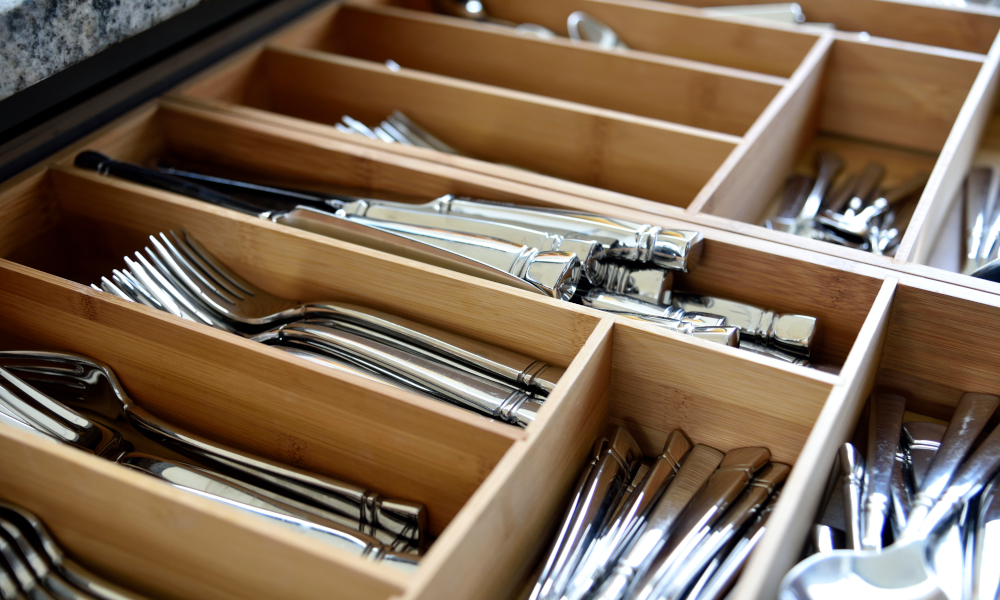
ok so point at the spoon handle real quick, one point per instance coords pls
(970, 417)
(884, 425)
(967, 482)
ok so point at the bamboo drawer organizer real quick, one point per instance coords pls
(695, 129)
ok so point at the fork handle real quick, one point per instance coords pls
(499, 362)
(368, 508)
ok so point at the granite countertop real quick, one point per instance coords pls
(39, 38)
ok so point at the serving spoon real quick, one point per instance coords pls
(902, 571)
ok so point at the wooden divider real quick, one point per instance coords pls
(168, 543)
(793, 517)
(668, 29)
(680, 91)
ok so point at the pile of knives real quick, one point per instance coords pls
(852, 211)
(604, 263)
(679, 526)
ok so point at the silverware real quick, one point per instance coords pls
(593, 503)
(922, 440)
(205, 483)
(828, 165)
(699, 465)
(976, 195)
(852, 476)
(793, 334)
(902, 491)
(727, 336)
(195, 277)
(720, 576)
(78, 381)
(606, 551)
(583, 27)
(458, 386)
(661, 579)
(711, 542)
(986, 538)
(620, 303)
(902, 567)
(44, 554)
(620, 239)
(885, 422)
(678, 250)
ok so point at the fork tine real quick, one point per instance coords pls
(136, 288)
(166, 300)
(165, 280)
(203, 271)
(114, 290)
(209, 270)
(208, 294)
(195, 246)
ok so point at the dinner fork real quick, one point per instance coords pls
(70, 380)
(183, 276)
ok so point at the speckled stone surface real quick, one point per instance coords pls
(39, 38)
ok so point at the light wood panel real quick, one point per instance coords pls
(658, 87)
(671, 30)
(894, 96)
(660, 384)
(168, 543)
(506, 526)
(588, 145)
(792, 518)
(928, 327)
(761, 161)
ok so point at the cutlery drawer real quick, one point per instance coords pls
(66, 227)
(695, 128)
(914, 109)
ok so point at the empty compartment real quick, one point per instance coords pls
(644, 157)
(684, 92)
(866, 103)
(668, 29)
(837, 294)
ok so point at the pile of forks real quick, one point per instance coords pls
(178, 275)
(32, 565)
(679, 526)
(609, 264)
(79, 401)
